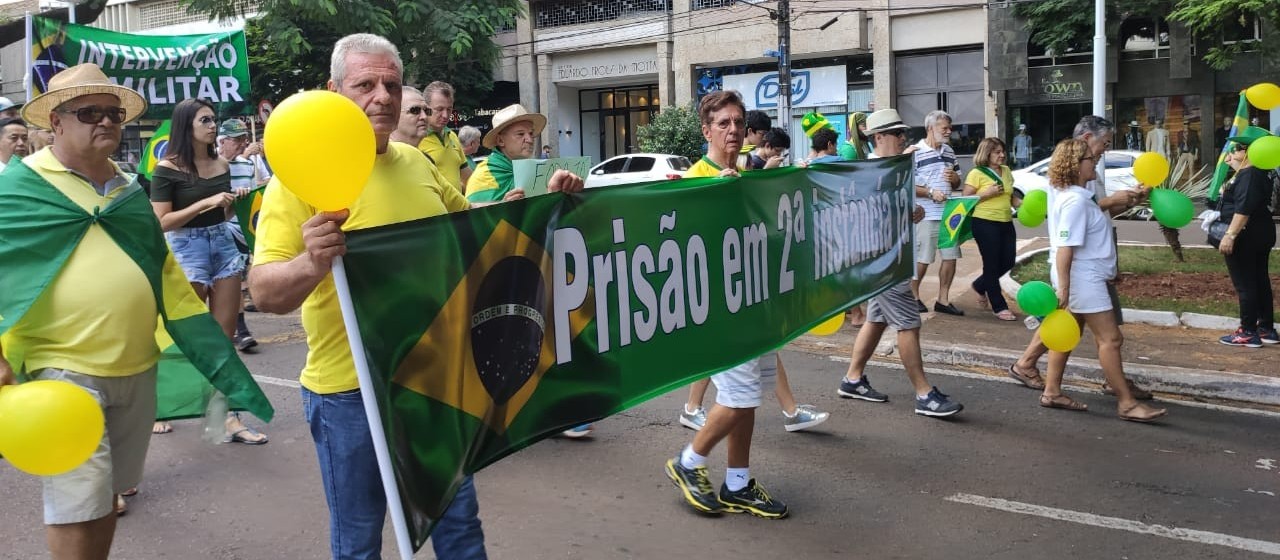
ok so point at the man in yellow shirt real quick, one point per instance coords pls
(86, 276)
(293, 257)
(441, 144)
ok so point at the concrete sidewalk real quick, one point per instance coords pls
(1178, 360)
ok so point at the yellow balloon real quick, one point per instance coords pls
(321, 146)
(1151, 169)
(1264, 96)
(48, 427)
(1059, 331)
(830, 326)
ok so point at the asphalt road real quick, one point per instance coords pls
(1006, 479)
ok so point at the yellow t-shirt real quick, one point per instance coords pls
(404, 186)
(704, 167)
(98, 316)
(445, 150)
(998, 208)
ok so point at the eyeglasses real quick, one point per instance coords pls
(1238, 147)
(206, 120)
(418, 109)
(93, 114)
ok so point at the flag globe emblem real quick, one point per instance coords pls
(508, 322)
(955, 220)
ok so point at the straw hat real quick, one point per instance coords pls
(885, 120)
(508, 116)
(78, 81)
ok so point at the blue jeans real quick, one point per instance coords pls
(353, 486)
(206, 254)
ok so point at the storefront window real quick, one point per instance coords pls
(610, 118)
(1143, 37)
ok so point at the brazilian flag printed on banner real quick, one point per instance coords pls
(154, 151)
(247, 209)
(1222, 170)
(491, 329)
(956, 226)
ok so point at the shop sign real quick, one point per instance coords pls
(811, 87)
(1056, 84)
(605, 64)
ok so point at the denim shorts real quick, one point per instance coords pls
(206, 254)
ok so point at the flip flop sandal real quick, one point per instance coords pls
(1032, 381)
(1155, 414)
(121, 508)
(1063, 402)
(130, 492)
(1006, 315)
(236, 437)
(161, 428)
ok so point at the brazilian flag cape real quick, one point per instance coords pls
(39, 229)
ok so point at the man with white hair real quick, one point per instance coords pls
(936, 178)
(470, 137)
(293, 257)
(415, 116)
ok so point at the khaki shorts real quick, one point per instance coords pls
(927, 243)
(88, 492)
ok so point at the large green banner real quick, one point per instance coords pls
(165, 69)
(488, 330)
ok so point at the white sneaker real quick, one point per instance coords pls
(577, 432)
(806, 417)
(693, 420)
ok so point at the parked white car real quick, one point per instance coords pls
(1119, 173)
(637, 168)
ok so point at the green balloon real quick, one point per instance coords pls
(1172, 208)
(1264, 153)
(1037, 298)
(1035, 206)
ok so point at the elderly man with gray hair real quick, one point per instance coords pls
(294, 253)
(936, 179)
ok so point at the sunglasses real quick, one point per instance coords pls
(1238, 147)
(419, 109)
(206, 120)
(93, 114)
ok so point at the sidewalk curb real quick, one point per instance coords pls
(1243, 387)
(1145, 316)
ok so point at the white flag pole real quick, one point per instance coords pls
(26, 53)
(371, 410)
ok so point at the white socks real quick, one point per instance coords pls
(736, 479)
(690, 460)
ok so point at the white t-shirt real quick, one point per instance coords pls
(930, 164)
(1076, 220)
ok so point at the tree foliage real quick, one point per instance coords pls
(675, 131)
(290, 41)
(1207, 18)
(1066, 26)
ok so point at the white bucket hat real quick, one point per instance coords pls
(885, 120)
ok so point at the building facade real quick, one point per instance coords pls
(600, 69)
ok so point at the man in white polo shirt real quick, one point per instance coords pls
(936, 178)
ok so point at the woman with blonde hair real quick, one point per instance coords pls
(1082, 260)
(992, 223)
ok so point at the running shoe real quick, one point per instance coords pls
(860, 390)
(806, 417)
(694, 486)
(937, 405)
(753, 499)
(693, 420)
(577, 432)
(1242, 337)
(1268, 336)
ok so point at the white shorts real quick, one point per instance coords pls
(88, 492)
(1089, 288)
(743, 385)
(927, 243)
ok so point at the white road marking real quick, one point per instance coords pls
(1119, 524)
(1265, 464)
(1263, 492)
(277, 381)
(994, 379)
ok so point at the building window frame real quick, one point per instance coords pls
(1157, 48)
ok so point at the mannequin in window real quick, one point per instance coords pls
(1022, 147)
(1133, 138)
(1188, 151)
(1158, 139)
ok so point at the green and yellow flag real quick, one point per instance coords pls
(247, 209)
(154, 151)
(491, 329)
(1222, 170)
(40, 228)
(956, 224)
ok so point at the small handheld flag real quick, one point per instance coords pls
(955, 221)
(154, 151)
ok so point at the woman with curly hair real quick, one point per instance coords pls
(1082, 259)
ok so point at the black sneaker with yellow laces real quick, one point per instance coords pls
(694, 486)
(753, 499)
